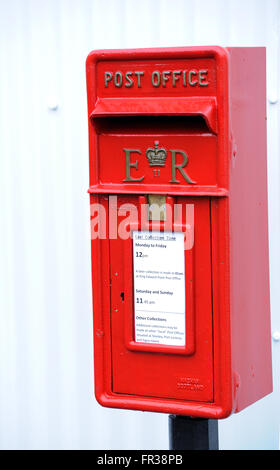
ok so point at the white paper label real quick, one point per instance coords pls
(159, 287)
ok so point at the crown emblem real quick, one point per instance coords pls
(156, 156)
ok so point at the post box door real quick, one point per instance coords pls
(175, 366)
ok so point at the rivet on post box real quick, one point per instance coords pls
(180, 278)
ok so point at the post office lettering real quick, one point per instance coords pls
(157, 78)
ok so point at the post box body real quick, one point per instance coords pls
(180, 299)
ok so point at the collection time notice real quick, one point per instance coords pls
(159, 287)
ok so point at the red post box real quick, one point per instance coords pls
(178, 193)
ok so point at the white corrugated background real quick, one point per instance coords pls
(46, 369)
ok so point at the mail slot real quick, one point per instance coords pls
(178, 201)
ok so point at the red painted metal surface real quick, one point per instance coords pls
(206, 108)
(134, 371)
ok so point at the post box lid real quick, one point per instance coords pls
(191, 83)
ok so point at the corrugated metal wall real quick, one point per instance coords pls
(46, 370)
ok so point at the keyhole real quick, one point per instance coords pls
(122, 296)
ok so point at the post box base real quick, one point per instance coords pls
(187, 433)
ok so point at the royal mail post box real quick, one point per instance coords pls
(178, 198)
